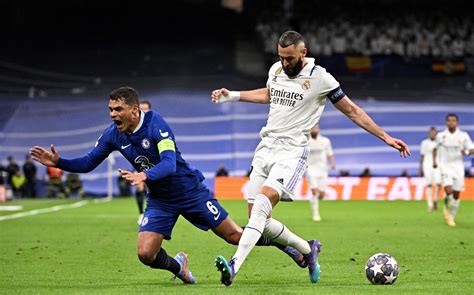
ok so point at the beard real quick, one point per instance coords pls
(294, 70)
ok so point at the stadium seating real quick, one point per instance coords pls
(209, 135)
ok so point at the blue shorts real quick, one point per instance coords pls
(202, 210)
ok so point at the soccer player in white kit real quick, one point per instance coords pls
(451, 145)
(320, 152)
(431, 175)
(297, 90)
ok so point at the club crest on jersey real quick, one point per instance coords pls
(278, 71)
(306, 85)
(146, 143)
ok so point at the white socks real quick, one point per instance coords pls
(276, 231)
(315, 206)
(454, 207)
(261, 209)
(429, 196)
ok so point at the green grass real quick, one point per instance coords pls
(92, 250)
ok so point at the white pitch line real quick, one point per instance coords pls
(44, 210)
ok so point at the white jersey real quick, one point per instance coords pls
(426, 150)
(319, 150)
(451, 147)
(296, 104)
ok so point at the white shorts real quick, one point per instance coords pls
(454, 178)
(317, 182)
(278, 165)
(432, 175)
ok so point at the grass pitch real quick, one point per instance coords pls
(92, 250)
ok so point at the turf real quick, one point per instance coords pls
(92, 250)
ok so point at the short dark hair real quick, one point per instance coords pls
(128, 94)
(290, 38)
(452, 115)
(147, 102)
(433, 128)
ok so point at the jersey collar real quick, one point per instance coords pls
(142, 117)
(308, 67)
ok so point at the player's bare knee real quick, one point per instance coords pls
(146, 256)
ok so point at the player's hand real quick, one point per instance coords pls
(45, 157)
(399, 145)
(224, 95)
(135, 178)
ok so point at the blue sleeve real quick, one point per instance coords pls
(163, 137)
(90, 161)
(165, 167)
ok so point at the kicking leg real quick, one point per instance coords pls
(231, 233)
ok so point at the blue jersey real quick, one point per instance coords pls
(152, 149)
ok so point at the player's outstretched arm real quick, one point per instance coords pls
(45, 157)
(256, 96)
(362, 119)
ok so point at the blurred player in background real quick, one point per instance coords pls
(296, 90)
(431, 175)
(140, 189)
(320, 151)
(175, 188)
(452, 145)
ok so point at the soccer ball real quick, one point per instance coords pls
(382, 269)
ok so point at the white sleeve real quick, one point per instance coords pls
(328, 83)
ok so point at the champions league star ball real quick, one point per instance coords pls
(382, 269)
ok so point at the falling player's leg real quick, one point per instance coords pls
(150, 253)
(157, 225)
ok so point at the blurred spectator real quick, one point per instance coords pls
(222, 171)
(74, 186)
(12, 168)
(3, 181)
(29, 170)
(366, 173)
(344, 173)
(18, 184)
(145, 105)
(385, 29)
(55, 182)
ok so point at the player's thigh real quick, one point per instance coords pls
(204, 211)
(458, 183)
(428, 176)
(285, 173)
(323, 183)
(160, 219)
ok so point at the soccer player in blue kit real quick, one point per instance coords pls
(175, 189)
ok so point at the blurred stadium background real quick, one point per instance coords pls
(407, 64)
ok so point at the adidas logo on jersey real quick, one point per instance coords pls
(280, 180)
